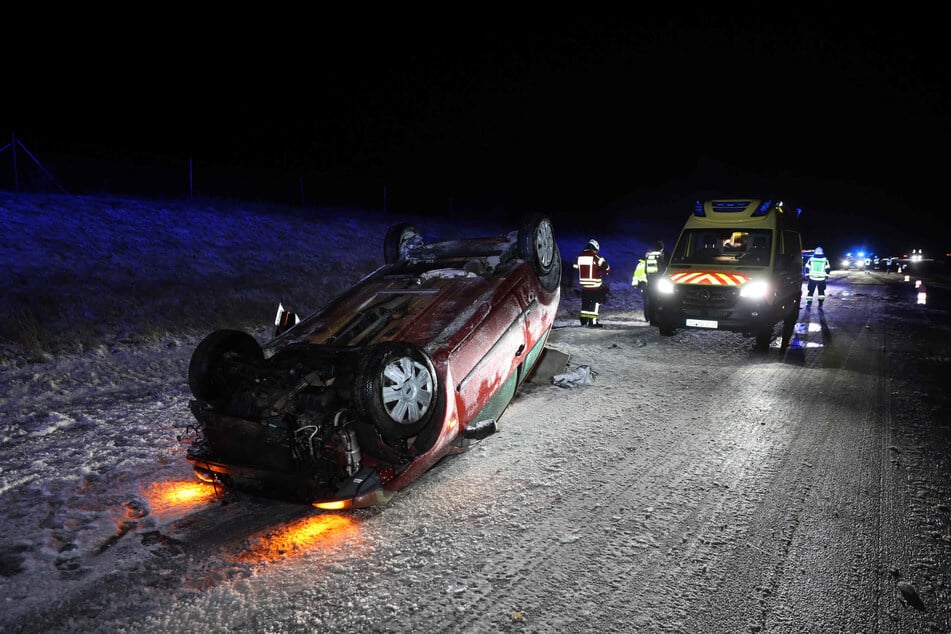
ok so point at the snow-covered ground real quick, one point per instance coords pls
(586, 529)
(103, 302)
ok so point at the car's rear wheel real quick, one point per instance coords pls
(398, 388)
(397, 237)
(205, 377)
(536, 244)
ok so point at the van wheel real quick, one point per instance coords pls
(666, 331)
(789, 324)
(763, 338)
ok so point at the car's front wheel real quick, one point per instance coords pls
(207, 376)
(398, 388)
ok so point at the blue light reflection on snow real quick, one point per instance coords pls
(803, 331)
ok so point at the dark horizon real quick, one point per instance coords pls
(576, 116)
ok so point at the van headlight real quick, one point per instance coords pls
(757, 289)
(665, 286)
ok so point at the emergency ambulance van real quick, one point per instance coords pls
(737, 266)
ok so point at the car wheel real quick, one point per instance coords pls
(536, 244)
(763, 338)
(205, 376)
(397, 237)
(666, 331)
(398, 388)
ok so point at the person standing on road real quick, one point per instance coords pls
(655, 264)
(817, 268)
(639, 281)
(591, 271)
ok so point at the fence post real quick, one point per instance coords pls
(16, 174)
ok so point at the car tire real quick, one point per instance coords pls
(398, 389)
(536, 244)
(666, 331)
(396, 238)
(218, 348)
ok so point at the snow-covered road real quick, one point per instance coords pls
(694, 486)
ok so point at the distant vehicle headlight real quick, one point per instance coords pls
(755, 290)
(665, 286)
(845, 262)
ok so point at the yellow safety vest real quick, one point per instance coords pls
(640, 273)
(818, 268)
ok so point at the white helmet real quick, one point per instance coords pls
(594, 243)
(819, 251)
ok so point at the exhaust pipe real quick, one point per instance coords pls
(480, 429)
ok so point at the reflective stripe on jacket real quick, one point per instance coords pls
(653, 261)
(591, 267)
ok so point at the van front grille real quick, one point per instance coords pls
(709, 296)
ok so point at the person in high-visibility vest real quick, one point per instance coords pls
(817, 267)
(655, 262)
(639, 280)
(640, 275)
(591, 269)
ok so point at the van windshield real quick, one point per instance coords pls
(724, 246)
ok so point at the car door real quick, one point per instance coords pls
(484, 364)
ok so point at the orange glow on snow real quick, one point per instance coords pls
(174, 499)
(298, 537)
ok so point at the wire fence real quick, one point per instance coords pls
(29, 169)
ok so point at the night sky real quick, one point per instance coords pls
(848, 116)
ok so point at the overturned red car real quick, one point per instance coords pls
(351, 404)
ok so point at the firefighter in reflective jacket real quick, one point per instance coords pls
(817, 267)
(655, 261)
(591, 271)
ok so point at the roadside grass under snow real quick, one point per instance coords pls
(81, 272)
